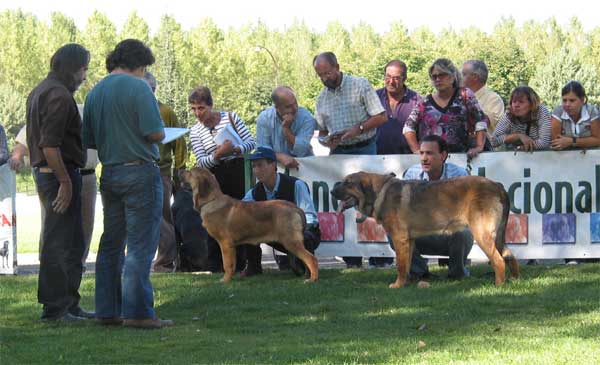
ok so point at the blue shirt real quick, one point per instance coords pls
(449, 171)
(3, 147)
(301, 197)
(390, 140)
(269, 132)
(119, 113)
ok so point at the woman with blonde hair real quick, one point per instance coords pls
(450, 112)
(526, 123)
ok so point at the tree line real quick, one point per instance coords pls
(241, 65)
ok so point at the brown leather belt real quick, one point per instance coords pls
(45, 170)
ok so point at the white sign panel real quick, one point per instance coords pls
(8, 229)
(555, 201)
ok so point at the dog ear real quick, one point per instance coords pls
(204, 188)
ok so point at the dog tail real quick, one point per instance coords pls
(501, 246)
(501, 230)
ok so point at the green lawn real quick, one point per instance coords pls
(551, 316)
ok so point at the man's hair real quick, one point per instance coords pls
(150, 79)
(275, 95)
(328, 57)
(447, 66)
(396, 63)
(479, 68)
(69, 59)
(200, 94)
(534, 101)
(129, 54)
(442, 144)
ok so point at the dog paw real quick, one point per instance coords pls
(395, 285)
(309, 281)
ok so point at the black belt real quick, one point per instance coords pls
(356, 145)
(230, 162)
(85, 172)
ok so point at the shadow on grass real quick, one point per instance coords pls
(349, 316)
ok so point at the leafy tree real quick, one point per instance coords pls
(135, 27)
(12, 110)
(22, 62)
(100, 38)
(562, 67)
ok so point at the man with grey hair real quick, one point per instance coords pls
(348, 112)
(167, 246)
(475, 75)
(286, 128)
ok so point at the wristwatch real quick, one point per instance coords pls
(361, 127)
(574, 141)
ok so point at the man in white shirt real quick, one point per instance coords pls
(475, 75)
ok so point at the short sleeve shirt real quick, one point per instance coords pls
(581, 128)
(119, 113)
(350, 104)
(269, 132)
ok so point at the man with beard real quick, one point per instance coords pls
(57, 154)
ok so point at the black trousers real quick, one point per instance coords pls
(60, 259)
(232, 179)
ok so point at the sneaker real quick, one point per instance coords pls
(148, 323)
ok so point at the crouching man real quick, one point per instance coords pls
(434, 152)
(272, 185)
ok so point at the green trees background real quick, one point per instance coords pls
(241, 73)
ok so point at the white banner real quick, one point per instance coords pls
(8, 227)
(555, 201)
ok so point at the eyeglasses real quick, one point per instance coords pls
(440, 76)
(393, 78)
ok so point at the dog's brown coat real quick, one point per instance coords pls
(232, 222)
(411, 209)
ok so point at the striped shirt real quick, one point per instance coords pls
(203, 143)
(539, 131)
(581, 128)
(350, 104)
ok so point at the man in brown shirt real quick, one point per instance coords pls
(56, 153)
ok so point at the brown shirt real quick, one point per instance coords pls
(53, 121)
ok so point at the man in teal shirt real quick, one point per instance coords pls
(122, 121)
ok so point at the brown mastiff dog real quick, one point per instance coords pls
(409, 209)
(232, 222)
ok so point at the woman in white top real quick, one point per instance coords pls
(575, 123)
(224, 160)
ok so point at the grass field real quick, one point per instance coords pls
(550, 316)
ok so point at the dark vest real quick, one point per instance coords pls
(286, 190)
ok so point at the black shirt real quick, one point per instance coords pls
(53, 121)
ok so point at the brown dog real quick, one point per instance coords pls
(411, 209)
(232, 222)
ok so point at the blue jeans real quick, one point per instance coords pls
(61, 253)
(132, 198)
(369, 149)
